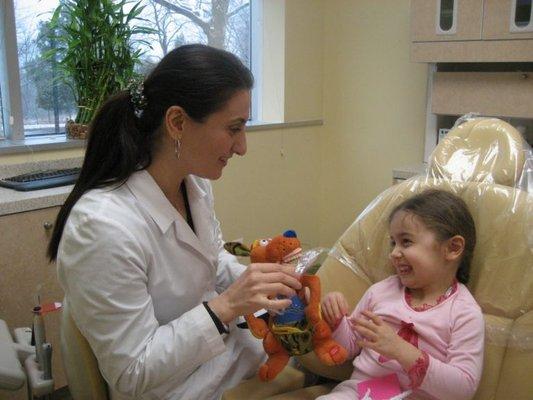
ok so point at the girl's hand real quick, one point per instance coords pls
(334, 306)
(258, 287)
(378, 335)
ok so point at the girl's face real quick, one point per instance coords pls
(207, 146)
(418, 257)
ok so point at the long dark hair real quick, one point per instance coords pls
(446, 215)
(199, 78)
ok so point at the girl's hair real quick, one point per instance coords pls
(446, 215)
(198, 78)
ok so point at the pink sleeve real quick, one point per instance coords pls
(458, 377)
(418, 370)
(344, 334)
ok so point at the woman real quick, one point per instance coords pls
(139, 249)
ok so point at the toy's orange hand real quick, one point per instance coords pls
(258, 326)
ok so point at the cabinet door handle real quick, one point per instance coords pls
(48, 225)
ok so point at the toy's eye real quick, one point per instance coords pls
(264, 242)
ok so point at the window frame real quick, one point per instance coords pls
(256, 57)
(12, 99)
(513, 27)
(10, 75)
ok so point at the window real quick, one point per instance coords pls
(44, 103)
(522, 16)
(446, 16)
(2, 128)
(219, 23)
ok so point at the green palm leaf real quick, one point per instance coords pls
(94, 48)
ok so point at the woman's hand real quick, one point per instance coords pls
(334, 306)
(380, 337)
(258, 287)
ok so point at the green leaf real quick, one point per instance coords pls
(93, 48)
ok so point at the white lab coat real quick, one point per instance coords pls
(135, 275)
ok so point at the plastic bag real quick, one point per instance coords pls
(308, 263)
(487, 163)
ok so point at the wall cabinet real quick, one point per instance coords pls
(471, 30)
(504, 91)
(456, 93)
(440, 20)
(507, 19)
(480, 55)
(25, 272)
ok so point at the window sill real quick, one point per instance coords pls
(58, 142)
(265, 126)
(41, 143)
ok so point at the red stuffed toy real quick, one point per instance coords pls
(300, 328)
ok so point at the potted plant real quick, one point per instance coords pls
(93, 51)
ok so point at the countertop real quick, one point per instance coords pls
(408, 171)
(12, 202)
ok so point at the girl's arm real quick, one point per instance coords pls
(458, 377)
(344, 334)
(334, 307)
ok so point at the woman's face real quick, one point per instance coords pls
(206, 147)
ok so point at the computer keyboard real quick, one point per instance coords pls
(41, 179)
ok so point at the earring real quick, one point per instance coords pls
(177, 148)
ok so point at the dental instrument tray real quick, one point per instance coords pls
(41, 179)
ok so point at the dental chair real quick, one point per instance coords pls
(480, 160)
(85, 382)
(84, 379)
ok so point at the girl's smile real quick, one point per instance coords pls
(418, 257)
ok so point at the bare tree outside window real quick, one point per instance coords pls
(46, 103)
(212, 16)
(219, 23)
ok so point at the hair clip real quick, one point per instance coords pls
(138, 99)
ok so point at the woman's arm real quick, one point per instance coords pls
(102, 268)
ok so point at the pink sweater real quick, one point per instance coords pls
(451, 333)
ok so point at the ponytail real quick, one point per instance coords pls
(116, 148)
(201, 79)
(463, 272)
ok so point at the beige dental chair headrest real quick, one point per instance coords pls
(480, 161)
(480, 150)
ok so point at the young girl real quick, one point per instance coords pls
(422, 324)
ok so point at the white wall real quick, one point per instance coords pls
(374, 106)
(347, 62)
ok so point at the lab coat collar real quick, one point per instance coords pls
(202, 215)
(154, 201)
(150, 195)
(194, 190)
(152, 198)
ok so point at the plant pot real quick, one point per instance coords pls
(75, 130)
